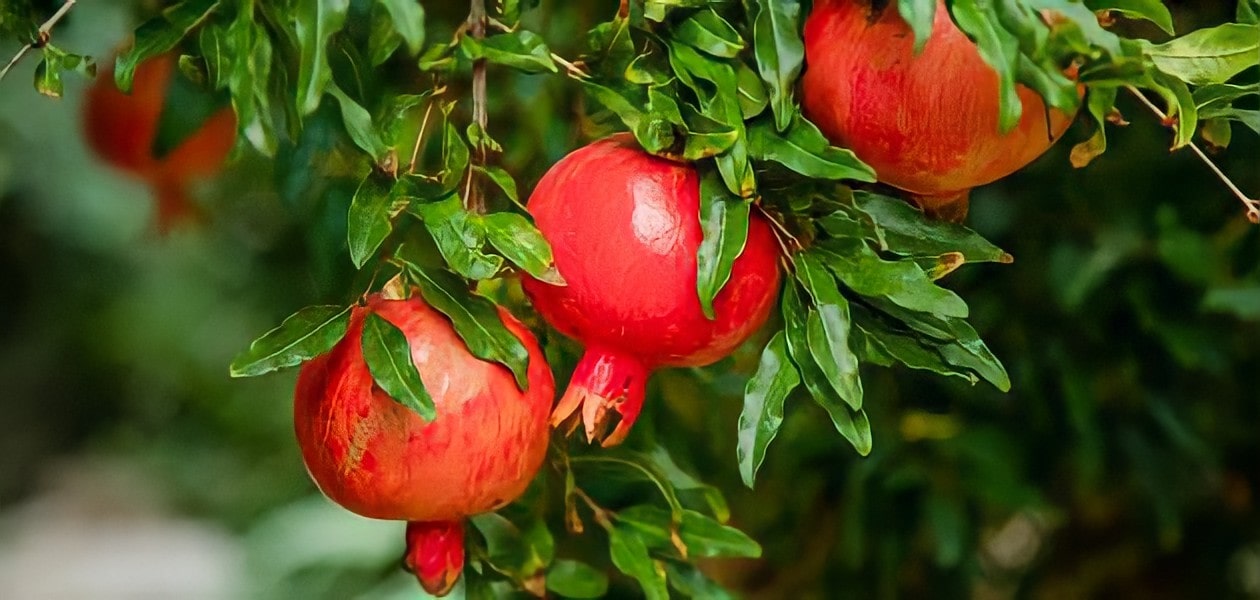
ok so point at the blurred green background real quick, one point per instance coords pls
(1124, 463)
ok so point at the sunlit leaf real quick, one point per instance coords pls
(388, 358)
(304, 335)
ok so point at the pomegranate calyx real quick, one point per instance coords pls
(604, 383)
(435, 554)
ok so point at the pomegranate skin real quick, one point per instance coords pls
(120, 128)
(379, 459)
(927, 124)
(624, 229)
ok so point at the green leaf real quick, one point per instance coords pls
(795, 318)
(48, 77)
(408, 20)
(502, 179)
(475, 318)
(1098, 102)
(314, 22)
(907, 231)
(1211, 55)
(1151, 10)
(685, 482)
(700, 534)
(903, 282)
(999, 49)
(957, 342)
(639, 467)
(388, 358)
(690, 581)
(520, 242)
(653, 132)
(708, 32)
(827, 329)
(1248, 11)
(455, 155)
(358, 122)
(521, 49)
(779, 51)
(573, 579)
(1241, 302)
(724, 225)
(1250, 118)
(630, 556)
(369, 220)
(906, 348)
(304, 335)
(1218, 95)
(519, 553)
(158, 35)
(752, 92)
(383, 39)
(919, 14)
(764, 398)
(57, 61)
(460, 237)
(1180, 103)
(804, 149)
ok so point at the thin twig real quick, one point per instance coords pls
(1251, 204)
(424, 124)
(477, 27)
(42, 37)
(573, 69)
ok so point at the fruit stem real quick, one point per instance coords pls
(1251, 204)
(42, 37)
(474, 200)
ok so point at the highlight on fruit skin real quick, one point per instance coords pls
(122, 128)
(624, 230)
(379, 459)
(928, 122)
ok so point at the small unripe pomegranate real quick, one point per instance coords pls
(926, 123)
(379, 459)
(624, 227)
(121, 129)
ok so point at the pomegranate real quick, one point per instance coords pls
(121, 129)
(926, 123)
(379, 459)
(624, 228)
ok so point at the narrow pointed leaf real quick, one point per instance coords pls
(304, 335)
(520, 242)
(388, 358)
(724, 225)
(779, 52)
(476, 320)
(764, 398)
(827, 330)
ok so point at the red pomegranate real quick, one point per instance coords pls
(379, 459)
(624, 227)
(927, 123)
(121, 129)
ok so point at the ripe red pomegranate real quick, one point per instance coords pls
(379, 459)
(121, 129)
(927, 123)
(624, 227)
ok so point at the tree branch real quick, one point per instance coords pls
(1251, 204)
(42, 37)
(475, 200)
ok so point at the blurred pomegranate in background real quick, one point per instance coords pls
(122, 129)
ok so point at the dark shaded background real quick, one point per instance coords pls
(1123, 464)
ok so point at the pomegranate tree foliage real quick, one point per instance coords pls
(438, 205)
